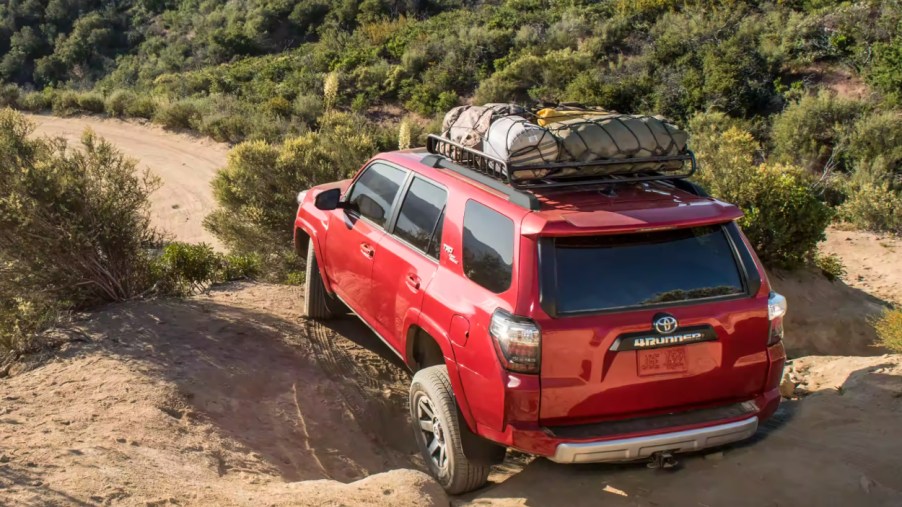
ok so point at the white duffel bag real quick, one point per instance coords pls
(518, 142)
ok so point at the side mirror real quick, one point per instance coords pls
(368, 207)
(328, 200)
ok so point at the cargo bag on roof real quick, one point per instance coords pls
(596, 135)
(468, 125)
(518, 142)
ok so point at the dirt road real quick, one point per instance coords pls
(231, 399)
(185, 163)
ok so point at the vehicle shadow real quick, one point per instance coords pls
(818, 450)
(313, 401)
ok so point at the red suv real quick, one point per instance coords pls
(593, 319)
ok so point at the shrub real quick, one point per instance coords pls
(808, 132)
(74, 226)
(873, 206)
(9, 95)
(141, 107)
(177, 115)
(886, 71)
(256, 190)
(889, 330)
(65, 103)
(875, 144)
(34, 102)
(831, 265)
(119, 102)
(184, 269)
(784, 216)
(91, 102)
(308, 108)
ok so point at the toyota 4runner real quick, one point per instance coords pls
(595, 319)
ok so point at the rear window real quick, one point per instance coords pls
(627, 270)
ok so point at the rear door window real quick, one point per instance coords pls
(644, 269)
(375, 190)
(419, 219)
(488, 247)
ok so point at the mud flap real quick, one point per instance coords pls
(477, 449)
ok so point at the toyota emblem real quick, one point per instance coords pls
(665, 323)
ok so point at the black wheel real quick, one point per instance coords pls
(433, 412)
(318, 304)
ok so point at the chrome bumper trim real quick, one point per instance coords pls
(629, 449)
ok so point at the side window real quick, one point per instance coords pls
(435, 245)
(420, 213)
(375, 190)
(488, 248)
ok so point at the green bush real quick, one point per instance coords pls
(784, 215)
(141, 107)
(889, 330)
(831, 265)
(91, 102)
(65, 103)
(74, 226)
(183, 269)
(9, 95)
(256, 190)
(886, 71)
(119, 103)
(182, 114)
(34, 102)
(875, 145)
(810, 133)
(873, 206)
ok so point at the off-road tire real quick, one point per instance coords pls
(460, 475)
(318, 304)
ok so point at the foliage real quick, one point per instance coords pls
(810, 133)
(831, 265)
(886, 72)
(873, 206)
(256, 190)
(784, 216)
(182, 114)
(184, 269)
(889, 329)
(74, 227)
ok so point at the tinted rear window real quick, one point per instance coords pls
(602, 272)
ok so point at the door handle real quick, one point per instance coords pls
(367, 250)
(413, 281)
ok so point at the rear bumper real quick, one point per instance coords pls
(628, 449)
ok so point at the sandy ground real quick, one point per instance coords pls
(231, 399)
(873, 261)
(210, 401)
(185, 163)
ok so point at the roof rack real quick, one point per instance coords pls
(480, 164)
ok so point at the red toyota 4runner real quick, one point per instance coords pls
(593, 319)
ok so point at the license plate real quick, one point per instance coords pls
(666, 360)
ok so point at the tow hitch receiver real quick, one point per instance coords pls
(663, 460)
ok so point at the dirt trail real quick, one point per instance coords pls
(185, 163)
(223, 399)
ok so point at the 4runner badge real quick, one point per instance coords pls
(655, 340)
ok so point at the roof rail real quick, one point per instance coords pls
(527, 176)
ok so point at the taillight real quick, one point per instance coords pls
(518, 342)
(776, 309)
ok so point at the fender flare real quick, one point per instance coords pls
(302, 225)
(415, 318)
